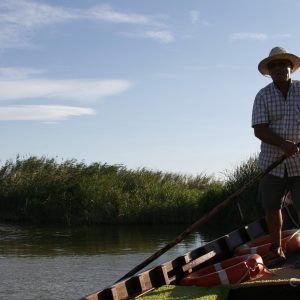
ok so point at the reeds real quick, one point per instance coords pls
(42, 190)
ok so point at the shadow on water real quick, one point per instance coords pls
(51, 241)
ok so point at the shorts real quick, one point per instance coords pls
(273, 188)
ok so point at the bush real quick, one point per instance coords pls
(42, 190)
(247, 207)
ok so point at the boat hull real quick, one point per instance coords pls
(173, 271)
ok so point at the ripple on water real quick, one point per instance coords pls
(68, 263)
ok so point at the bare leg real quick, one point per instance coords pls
(274, 222)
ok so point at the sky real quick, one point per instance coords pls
(164, 85)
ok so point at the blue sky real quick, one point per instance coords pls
(167, 85)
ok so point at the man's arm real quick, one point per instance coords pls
(266, 135)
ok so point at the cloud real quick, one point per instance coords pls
(195, 19)
(42, 112)
(17, 84)
(249, 36)
(20, 19)
(18, 73)
(70, 89)
(282, 35)
(259, 36)
(106, 13)
(162, 36)
(194, 16)
(31, 14)
(169, 75)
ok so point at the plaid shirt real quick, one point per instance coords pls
(283, 116)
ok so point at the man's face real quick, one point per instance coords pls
(280, 70)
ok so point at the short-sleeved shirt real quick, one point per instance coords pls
(283, 116)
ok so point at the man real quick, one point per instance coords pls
(276, 122)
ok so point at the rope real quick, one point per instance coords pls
(285, 205)
(249, 269)
(266, 269)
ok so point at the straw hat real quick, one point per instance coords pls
(275, 54)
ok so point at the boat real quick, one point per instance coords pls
(286, 282)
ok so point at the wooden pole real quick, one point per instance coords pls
(231, 199)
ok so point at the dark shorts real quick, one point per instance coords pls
(273, 188)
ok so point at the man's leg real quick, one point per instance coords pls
(274, 222)
(271, 190)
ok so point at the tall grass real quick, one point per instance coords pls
(42, 190)
(249, 202)
(247, 207)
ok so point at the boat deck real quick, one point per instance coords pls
(283, 281)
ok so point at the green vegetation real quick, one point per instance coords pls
(42, 190)
(248, 207)
(173, 292)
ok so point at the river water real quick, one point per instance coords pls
(68, 263)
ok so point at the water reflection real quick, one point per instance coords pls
(51, 241)
(66, 263)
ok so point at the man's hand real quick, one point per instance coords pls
(265, 134)
(289, 148)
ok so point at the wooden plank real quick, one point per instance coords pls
(200, 260)
(133, 285)
(214, 246)
(158, 276)
(166, 275)
(119, 291)
(106, 294)
(174, 268)
(194, 254)
(145, 281)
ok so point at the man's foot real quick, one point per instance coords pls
(274, 256)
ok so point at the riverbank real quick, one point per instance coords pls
(40, 190)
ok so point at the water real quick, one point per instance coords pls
(68, 263)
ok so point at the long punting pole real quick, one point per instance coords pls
(231, 199)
